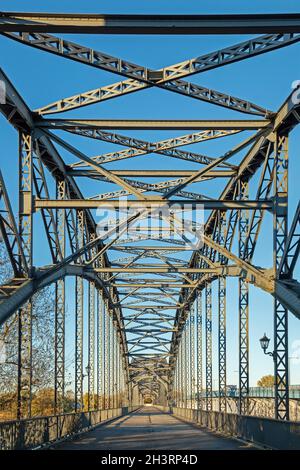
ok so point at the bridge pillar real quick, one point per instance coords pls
(243, 226)
(222, 319)
(222, 343)
(59, 372)
(199, 351)
(79, 318)
(280, 227)
(24, 384)
(208, 336)
(192, 356)
(99, 349)
(91, 347)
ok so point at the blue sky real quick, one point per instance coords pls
(266, 80)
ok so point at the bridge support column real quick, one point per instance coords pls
(118, 366)
(105, 354)
(208, 333)
(59, 379)
(109, 361)
(79, 318)
(24, 384)
(188, 361)
(222, 344)
(280, 227)
(181, 369)
(91, 347)
(192, 355)
(99, 350)
(243, 308)
(199, 352)
(222, 319)
(174, 384)
(185, 366)
(113, 366)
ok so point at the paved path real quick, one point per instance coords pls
(148, 428)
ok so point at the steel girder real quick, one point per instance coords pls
(150, 24)
(17, 112)
(85, 126)
(286, 119)
(86, 55)
(162, 339)
(146, 77)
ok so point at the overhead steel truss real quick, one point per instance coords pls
(149, 24)
(145, 316)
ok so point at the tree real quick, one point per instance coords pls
(266, 381)
(42, 343)
(42, 402)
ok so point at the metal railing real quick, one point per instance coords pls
(271, 433)
(38, 431)
(259, 392)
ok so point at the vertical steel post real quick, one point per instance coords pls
(243, 308)
(118, 369)
(208, 331)
(181, 370)
(59, 379)
(79, 306)
(199, 351)
(91, 346)
(188, 361)
(106, 356)
(98, 349)
(25, 313)
(280, 226)
(103, 348)
(185, 366)
(113, 365)
(192, 354)
(222, 318)
(109, 365)
(174, 397)
(102, 351)
(222, 343)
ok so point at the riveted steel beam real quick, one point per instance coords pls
(149, 203)
(77, 125)
(150, 24)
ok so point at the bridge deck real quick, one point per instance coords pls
(149, 428)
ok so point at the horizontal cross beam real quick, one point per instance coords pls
(152, 203)
(153, 173)
(153, 124)
(150, 24)
(145, 269)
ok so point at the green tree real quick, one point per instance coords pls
(266, 381)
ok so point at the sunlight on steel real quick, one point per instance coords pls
(145, 275)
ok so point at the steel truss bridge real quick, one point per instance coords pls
(149, 289)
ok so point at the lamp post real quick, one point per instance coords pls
(264, 342)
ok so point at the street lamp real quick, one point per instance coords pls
(264, 342)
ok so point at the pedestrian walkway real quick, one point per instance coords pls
(149, 428)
